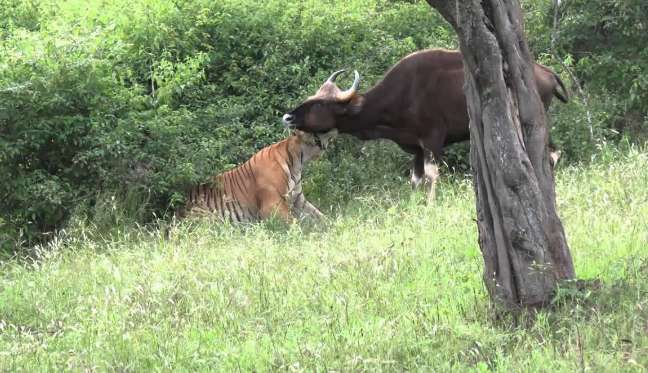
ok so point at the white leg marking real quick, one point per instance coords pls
(431, 174)
(554, 157)
(416, 180)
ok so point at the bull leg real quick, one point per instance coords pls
(554, 154)
(431, 170)
(416, 172)
(432, 150)
(418, 168)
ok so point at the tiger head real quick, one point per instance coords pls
(313, 144)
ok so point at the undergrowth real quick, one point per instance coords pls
(387, 283)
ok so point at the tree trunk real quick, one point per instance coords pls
(520, 235)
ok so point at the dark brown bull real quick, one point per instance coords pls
(419, 104)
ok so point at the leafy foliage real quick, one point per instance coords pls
(389, 284)
(602, 44)
(131, 101)
(97, 102)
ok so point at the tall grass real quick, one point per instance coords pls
(387, 284)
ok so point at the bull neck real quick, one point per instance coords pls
(372, 114)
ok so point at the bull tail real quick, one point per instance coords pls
(564, 95)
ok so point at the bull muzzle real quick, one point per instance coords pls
(288, 121)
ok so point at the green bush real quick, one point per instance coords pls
(97, 103)
(602, 44)
(132, 101)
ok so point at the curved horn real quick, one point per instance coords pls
(334, 76)
(346, 95)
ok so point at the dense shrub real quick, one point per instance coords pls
(608, 43)
(125, 103)
(602, 44)
(142, 98)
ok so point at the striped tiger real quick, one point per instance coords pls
(268, 183)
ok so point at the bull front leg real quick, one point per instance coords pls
(418, 169)
(431, 175)
(432, 150)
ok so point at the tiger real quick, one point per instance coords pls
(268, 183)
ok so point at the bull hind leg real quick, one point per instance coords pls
(554, 154)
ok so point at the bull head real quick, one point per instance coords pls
(320, 113)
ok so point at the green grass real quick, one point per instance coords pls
(389, 284)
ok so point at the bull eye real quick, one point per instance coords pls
(317, 105)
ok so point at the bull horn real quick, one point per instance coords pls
(334, 76)
(349, 93)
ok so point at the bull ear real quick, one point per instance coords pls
(355, 104)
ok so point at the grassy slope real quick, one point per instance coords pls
(389, 285)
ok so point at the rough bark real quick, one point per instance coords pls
(520, 234)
